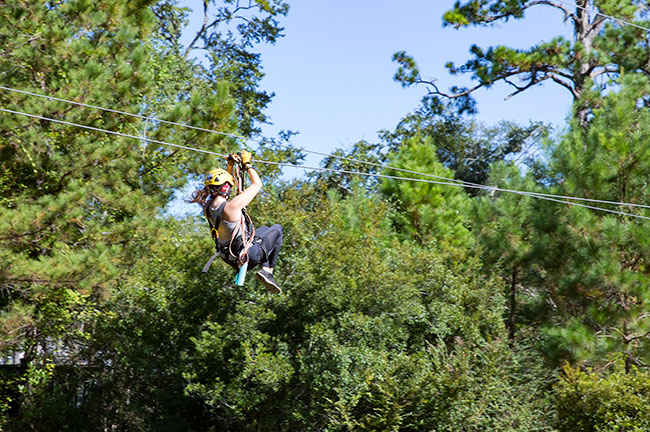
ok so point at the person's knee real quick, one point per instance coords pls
(260, 231)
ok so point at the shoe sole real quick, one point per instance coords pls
(273, 288)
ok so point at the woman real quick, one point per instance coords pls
(228, 219)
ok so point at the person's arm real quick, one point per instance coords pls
(232, 210)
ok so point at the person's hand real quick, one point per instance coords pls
(246, 158)
(233, 158)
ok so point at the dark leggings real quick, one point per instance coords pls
(272, 239)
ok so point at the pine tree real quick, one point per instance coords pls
(79, 206)
(427, 211)
(465, 146)
(502, 223)
(601, 286)
(582, 274)
(601, 49)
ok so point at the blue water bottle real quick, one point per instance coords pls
(241, 274)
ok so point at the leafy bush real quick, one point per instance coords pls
(611, 400)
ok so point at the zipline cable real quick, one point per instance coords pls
(142, 117)
(321, 168)
(261, 141)
(110, 132)
(232, 135)
(619, 20)
(227, 134)
(528, 194)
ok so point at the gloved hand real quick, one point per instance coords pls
(246, 158)
(232, 159)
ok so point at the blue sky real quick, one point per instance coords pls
(332, 73)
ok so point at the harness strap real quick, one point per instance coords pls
(214, 230)
(209, 263)
(244, 223)
(235, 260)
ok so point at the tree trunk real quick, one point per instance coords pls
(586, 29)
(512, 306)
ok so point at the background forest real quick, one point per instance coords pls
(407, 306)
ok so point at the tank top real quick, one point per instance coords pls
(226, 229)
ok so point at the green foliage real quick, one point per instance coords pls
(610, 400)
(371, 332)
(607, 255)
(610, 159)
(70, 198)
(581, 273)
(602, 49)
(407, 306)
(240, 366)
(470, 388)
(426, 210)
(11, 379)
(343, 182)
(364, 313)
(465, 146)
(79, 208)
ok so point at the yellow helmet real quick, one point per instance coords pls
(218, 177)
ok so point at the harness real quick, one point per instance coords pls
(235, 254)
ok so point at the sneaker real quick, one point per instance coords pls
(267, 279)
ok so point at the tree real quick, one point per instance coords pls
(604, 284)
(224, 41)
(600, 51)
(371, 332)
(376, 332)
(603, 401)
(582, 272)
(364, 157)
(79, 207)
(503, 226)
(426, 210)
(466, 146)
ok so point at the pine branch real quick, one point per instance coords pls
(573, 91)
(10, 282)
(609, 69)
(567, 12)
(489, 19)
(627, 339)
(32, 39)
(437, 91)
(534, 80)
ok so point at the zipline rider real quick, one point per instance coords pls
(236, 239)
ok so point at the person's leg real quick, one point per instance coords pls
(272, 240)
(261, 231)
(256, 255)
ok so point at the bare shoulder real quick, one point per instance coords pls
(232, 212)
